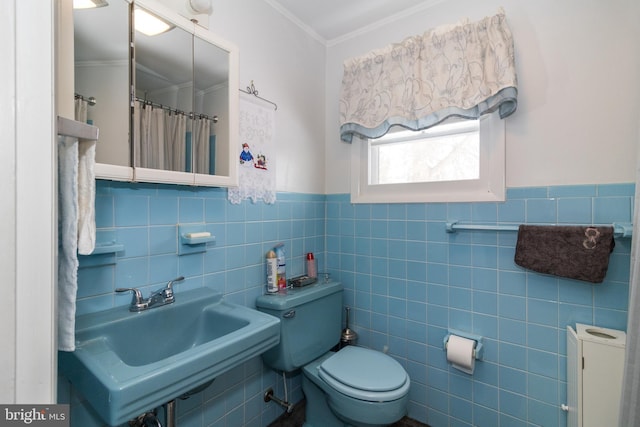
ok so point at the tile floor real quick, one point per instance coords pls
(296, 419)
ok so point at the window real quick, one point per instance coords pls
(449, 152)
(462, 160)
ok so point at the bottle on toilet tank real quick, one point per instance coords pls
(272, 272)
(282, 276)
(312, 271)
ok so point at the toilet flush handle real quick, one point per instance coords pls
(289, 314)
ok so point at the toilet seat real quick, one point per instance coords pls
(365, 374)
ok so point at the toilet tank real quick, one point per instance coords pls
(310, 323)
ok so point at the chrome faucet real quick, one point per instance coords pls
(158, 298)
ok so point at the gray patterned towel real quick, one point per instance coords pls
(575, 252)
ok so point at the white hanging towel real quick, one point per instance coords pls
(86, 197)
(86, 183)
(256, 152)
(67, 240)
(76, 222)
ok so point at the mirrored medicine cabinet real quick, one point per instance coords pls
(166, 104)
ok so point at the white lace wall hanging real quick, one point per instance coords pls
(256, 152)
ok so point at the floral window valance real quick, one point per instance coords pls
(464, 70)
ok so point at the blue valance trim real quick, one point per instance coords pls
(505, 101)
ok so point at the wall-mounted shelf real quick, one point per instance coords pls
(193, 238)
(107, 248)
(104, 252)
(196, 238)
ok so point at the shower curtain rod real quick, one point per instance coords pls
(191, 115)
(90, 100)
(619, 229)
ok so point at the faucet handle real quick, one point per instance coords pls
(169, 285)
(137, 301)
(167, 291)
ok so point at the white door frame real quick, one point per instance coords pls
(28, 213)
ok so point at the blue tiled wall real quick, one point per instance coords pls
(405, 277)
(144, 219)
(408, 281)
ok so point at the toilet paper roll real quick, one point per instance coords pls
(460, 353)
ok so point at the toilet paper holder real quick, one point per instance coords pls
(478, 349)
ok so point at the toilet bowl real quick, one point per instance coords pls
(354, 386)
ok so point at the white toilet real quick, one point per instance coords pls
(355, 386)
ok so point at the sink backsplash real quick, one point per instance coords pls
(143, 217)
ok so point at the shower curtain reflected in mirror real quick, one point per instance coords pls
(159, 137)
(174, 143)
(201, 144)
(81, 110)
(169, 140)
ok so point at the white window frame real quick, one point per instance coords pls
(490, 187)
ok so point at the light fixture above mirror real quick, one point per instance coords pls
(149, 24)
(199, 6)
(89, 4)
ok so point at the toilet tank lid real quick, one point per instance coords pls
(295, 297)
(365, 369)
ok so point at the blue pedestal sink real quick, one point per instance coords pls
(127, 363)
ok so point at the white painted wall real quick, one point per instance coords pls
(287, 67)
(8, 205)
(578, 65)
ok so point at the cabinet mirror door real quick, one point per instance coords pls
(163, 102)
(211, 106)
(101, 78)
(166, 103)
(216, 102)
